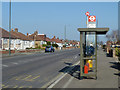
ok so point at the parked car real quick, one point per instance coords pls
(49, 49)
(89, 50)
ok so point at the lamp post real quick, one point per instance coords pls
(65, 36)
(10, 28)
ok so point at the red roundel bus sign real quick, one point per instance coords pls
(92, 18)
(87, 13)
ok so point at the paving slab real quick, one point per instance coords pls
(107, 75)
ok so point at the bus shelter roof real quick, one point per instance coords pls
(97, 30)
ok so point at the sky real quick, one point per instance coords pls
(50, 18)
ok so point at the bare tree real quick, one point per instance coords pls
(113, 36)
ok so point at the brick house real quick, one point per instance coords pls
(39, 39)
(57, 41)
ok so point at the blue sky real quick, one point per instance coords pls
(50, 18)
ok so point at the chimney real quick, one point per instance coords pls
(12, 29)
(27, 34)
(16, 29)
(36, 32)
(54, 37)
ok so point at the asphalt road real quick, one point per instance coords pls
(33, 71)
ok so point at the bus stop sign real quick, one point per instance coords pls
(92, 18)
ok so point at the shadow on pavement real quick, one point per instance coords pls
(116, 65)
(74, 71)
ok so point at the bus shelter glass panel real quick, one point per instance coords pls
(89, 55)
(90, 44)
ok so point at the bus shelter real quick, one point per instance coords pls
(88, 51)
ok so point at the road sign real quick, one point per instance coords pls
(87, 13)
(92, 19)
(91, 26)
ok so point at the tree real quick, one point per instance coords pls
(48, 43)
(113, 36)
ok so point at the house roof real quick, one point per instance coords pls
(41, 37)
(48, 39)
(5, 34)
(20, 35)
(38, 37)
(56, 40)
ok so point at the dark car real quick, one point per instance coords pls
(89, 50)
(49, 49)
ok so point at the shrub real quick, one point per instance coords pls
(44, 45)
(117, 52)
(55, 45)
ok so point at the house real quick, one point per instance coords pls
(4, 40)
(48, 40)
(66, 43)
(32, 42)
(57, 41)
(22, 42)
(39, 39)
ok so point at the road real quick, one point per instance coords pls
(33, 71)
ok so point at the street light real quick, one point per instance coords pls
(65, 36)
(10, 28)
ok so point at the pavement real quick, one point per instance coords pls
(35, 70)
(19, 54)
(107, 75)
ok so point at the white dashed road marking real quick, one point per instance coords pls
(15, 63)
(5, 65)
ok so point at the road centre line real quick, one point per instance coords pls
(21, 62)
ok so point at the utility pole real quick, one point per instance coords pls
(119, 21)
(65, 35)
(65, 32)
(10, 28)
